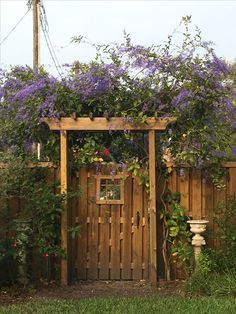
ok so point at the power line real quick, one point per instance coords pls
(45, 29)
(12, 30)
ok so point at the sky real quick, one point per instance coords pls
(148, 22)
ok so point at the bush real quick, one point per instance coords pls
(216, 269)
(30, 213)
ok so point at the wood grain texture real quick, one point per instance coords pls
(104, 241)
(137, 228)
(196, 194)
(64, 215)
(126, 230)
(115, 242)
(153, 218)
(93, 211)
(102, 124)
(82, 240)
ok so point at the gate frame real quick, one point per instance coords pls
(108, 124)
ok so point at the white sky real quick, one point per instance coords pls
(148, 22)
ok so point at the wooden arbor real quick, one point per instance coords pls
(102, 124)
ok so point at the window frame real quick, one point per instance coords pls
(100, 177)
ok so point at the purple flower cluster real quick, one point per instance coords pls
(180, 99)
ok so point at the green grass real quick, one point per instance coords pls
(129, 305)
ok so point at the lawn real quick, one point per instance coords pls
(125, 305)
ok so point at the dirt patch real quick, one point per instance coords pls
(92, 289)
(7, 297)
(95, 289)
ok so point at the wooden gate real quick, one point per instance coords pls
(114, 241)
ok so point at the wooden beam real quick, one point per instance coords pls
(64, 215)
(153, 217)
(102, 124)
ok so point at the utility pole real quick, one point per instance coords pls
(35, 10)
(36, 147)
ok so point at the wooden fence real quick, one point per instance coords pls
(198, 196)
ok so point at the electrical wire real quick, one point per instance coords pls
(12, 30)
(45, 28)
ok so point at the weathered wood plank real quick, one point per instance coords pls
(231, 184)
(102, 124)
(104, 241)
(82, 222)
(196, 194)
(153, 218)
(145, 243)
(115, 242)
(184, 189)
(126, 230)
(64, 215)
(172, 182)
(92, 229)
(137, 228)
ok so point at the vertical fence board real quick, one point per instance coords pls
(115, 242)
(82, 221)
(104, 242)
(173, 181)
(126, 229)
(137, 228)
(231, 186)
(196, 194)
(92, 228)
(73, 214)
(184, 189)
(145, 243)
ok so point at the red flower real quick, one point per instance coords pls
(45, 254)
(106, 152)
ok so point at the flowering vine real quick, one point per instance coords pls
(188, 81)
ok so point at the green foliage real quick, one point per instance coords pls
(132, 305)
(215, 273)
(177, 231)
(30, 213)
(75, 231)
(212, 284)
(226, 220)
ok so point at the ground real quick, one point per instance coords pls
(95, 289)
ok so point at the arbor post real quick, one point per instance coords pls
(153, 217)
(64, 214)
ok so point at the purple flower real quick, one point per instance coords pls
(184, 93)
(1, 93)
(181, 172)
(233, 126)
(200, 163)
(219, 66)
(234, 150)
(218, 153)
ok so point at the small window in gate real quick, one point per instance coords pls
(110, 190)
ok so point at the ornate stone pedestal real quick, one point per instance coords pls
(197, 227)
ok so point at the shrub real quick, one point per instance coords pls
(216, 269)
(30, 219)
